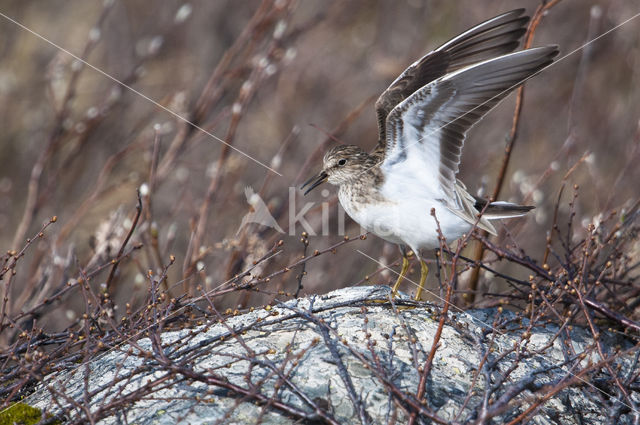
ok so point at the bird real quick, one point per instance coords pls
(423, 120)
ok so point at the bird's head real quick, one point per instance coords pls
(341, 164)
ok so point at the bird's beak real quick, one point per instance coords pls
(315, 181)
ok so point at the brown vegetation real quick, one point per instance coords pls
(142, 154)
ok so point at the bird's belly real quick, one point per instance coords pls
(408, 221)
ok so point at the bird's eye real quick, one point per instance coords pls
(342, 161)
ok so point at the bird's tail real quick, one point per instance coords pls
(501, 209)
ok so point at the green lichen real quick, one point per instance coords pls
(21, 414)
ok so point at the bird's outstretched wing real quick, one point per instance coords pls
(425, 132)
(489, 39)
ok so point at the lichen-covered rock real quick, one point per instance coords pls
(350, 356)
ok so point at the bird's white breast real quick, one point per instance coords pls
(401, 213)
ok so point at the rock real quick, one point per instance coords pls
(349, 356)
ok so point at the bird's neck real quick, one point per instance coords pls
(365, 184)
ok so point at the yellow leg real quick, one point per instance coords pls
(424, 271)
(403, 272)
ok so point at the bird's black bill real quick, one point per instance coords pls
(314, 181)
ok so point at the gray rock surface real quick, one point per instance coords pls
(349, 356)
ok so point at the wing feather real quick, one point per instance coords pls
(489, 39)
(425, 133)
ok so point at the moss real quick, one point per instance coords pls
(21, 414)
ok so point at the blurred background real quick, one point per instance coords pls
(266, 83)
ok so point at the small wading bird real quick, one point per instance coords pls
(423, 119)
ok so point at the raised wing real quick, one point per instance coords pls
(489, 39)
(426, 132)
